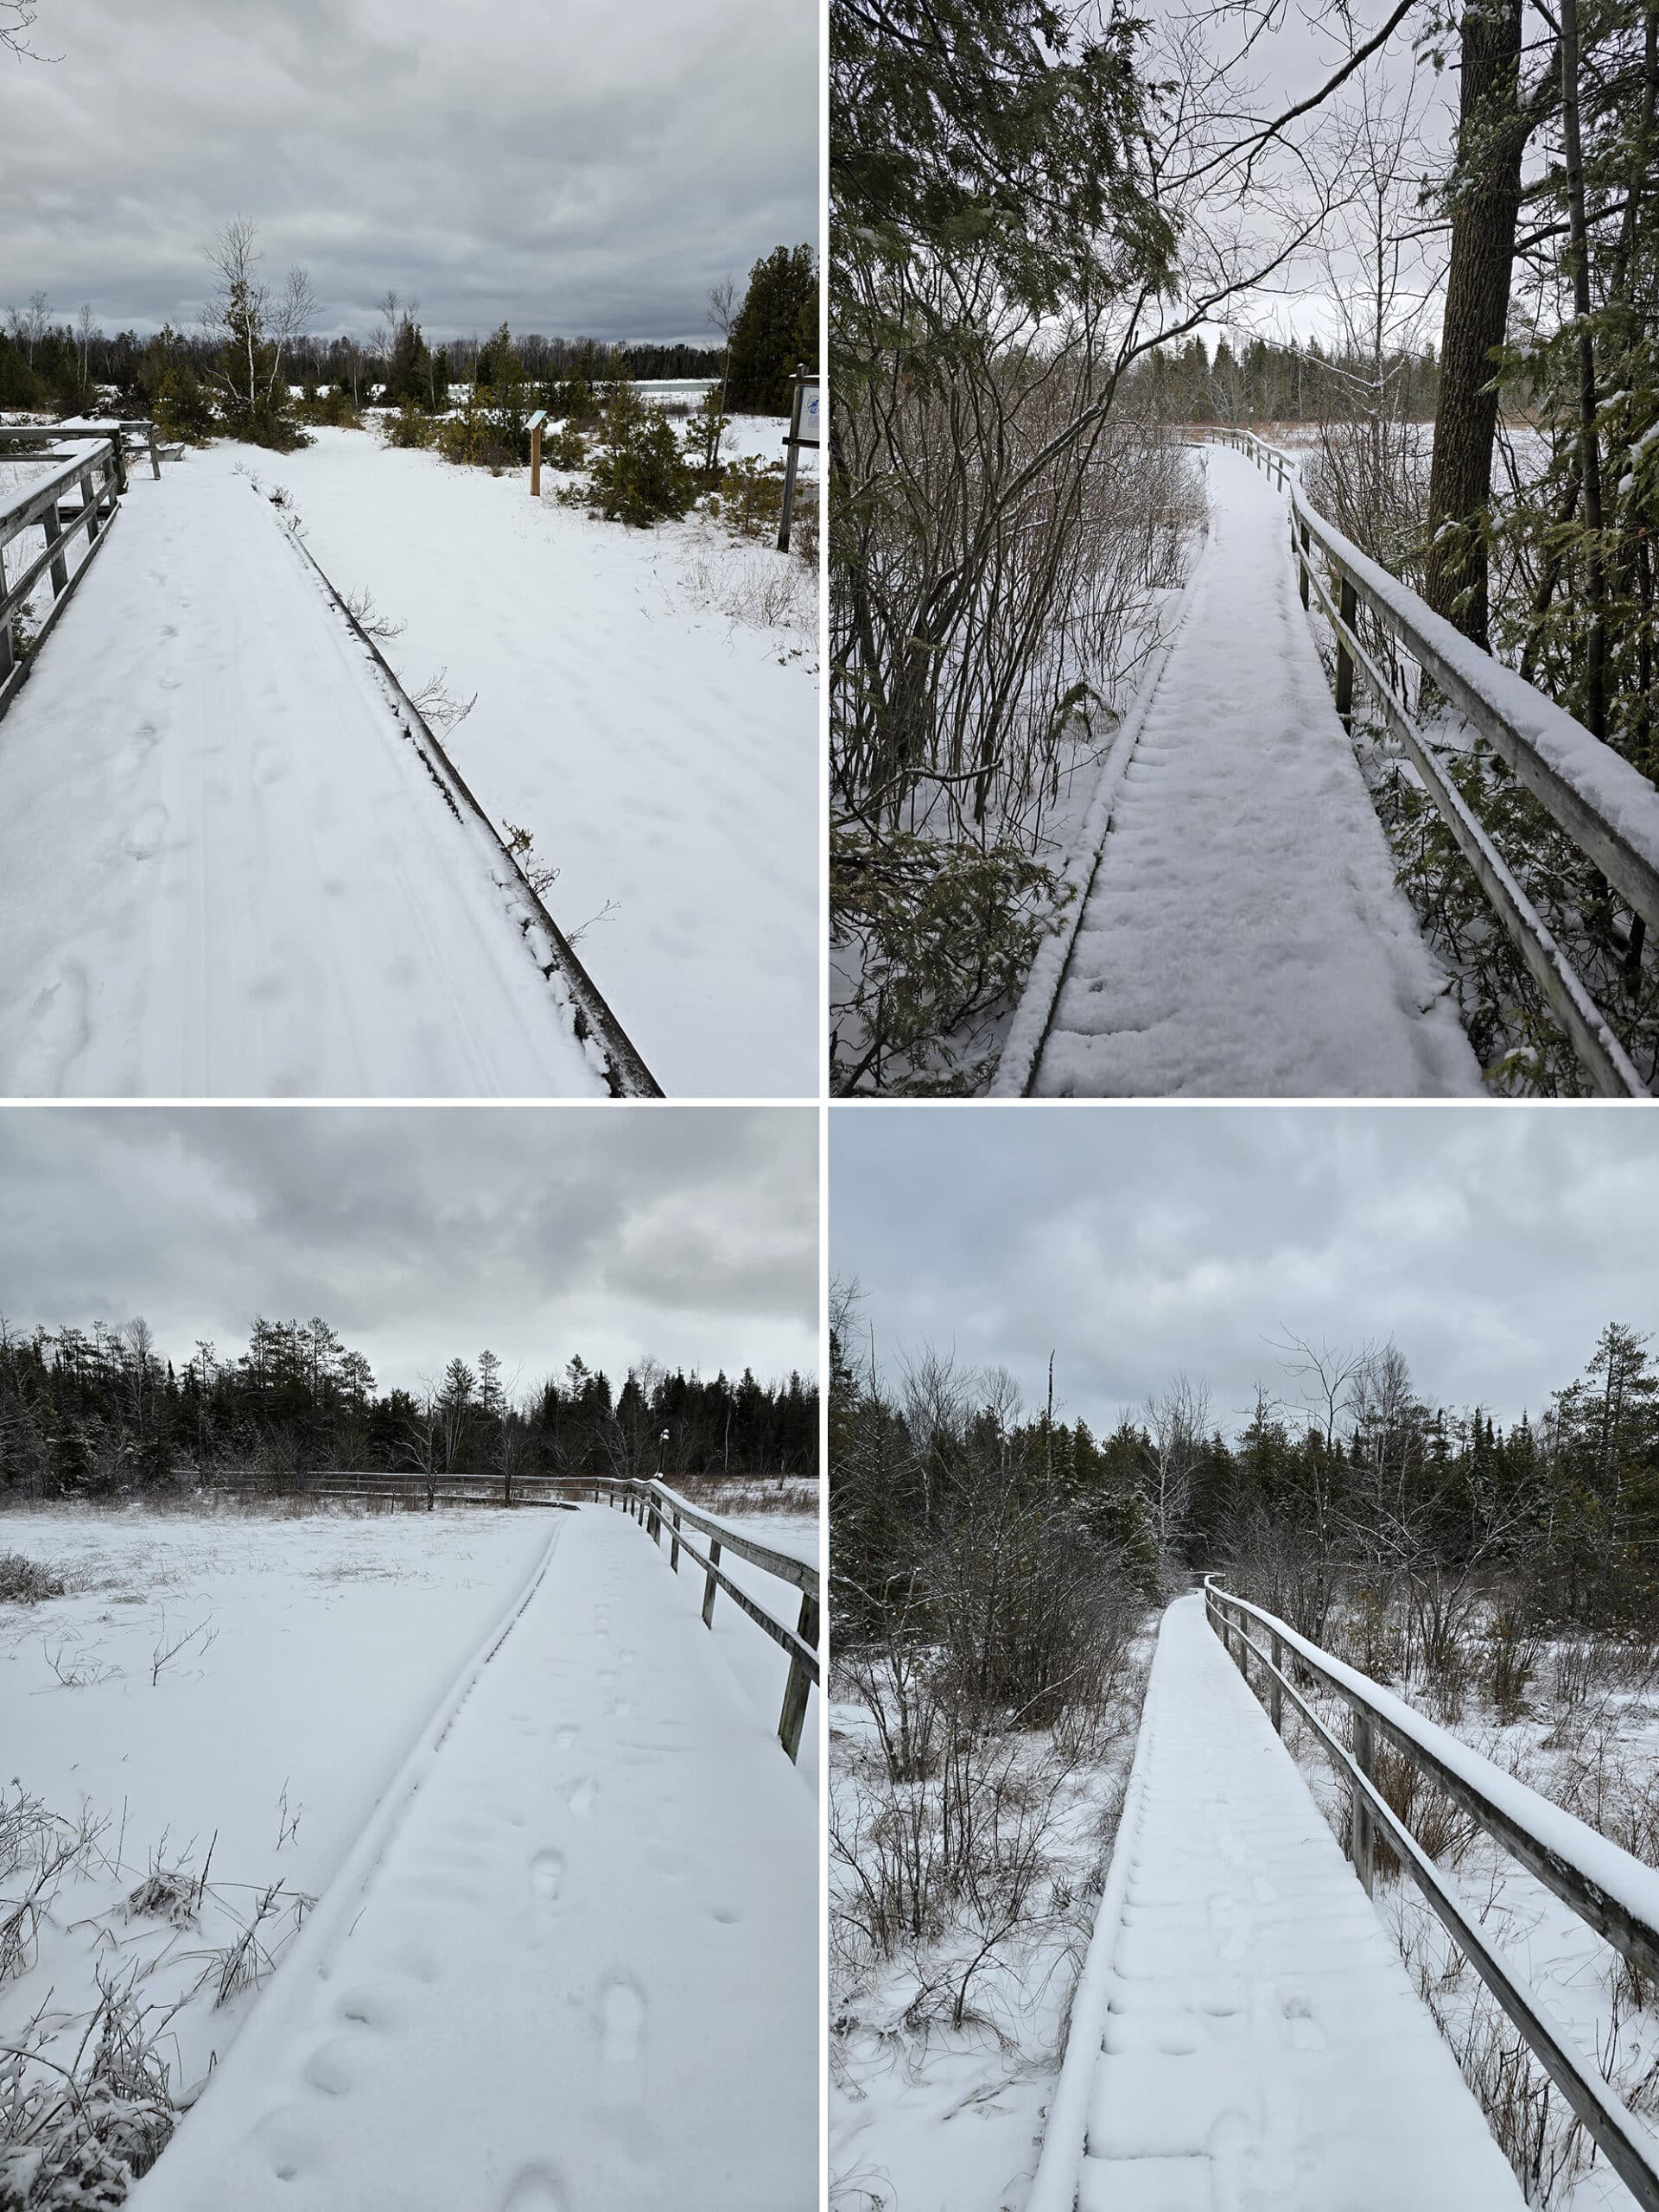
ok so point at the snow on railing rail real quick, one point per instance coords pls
(98, 476)
(650, 1502)
(121, 428)
(1609, 1889)
(1609, 809)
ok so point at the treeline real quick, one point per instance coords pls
(943, 1496)
(1271, 381)
(240, 370)
(96, 1413)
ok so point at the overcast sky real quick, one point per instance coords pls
(572, 168)
(688, 1233)
(1492, 1245)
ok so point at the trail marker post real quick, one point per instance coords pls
(535, 423)
(803, 436)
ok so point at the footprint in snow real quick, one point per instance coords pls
(329, 2069)
(563, 1738)
(547, 1875)
(535, 2189)
(621, 2022)
(143, 839)
(583, 1796)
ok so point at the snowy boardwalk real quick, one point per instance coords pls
(224, 871)
(1242, 934)
(1245, 2034)
(572, 1964)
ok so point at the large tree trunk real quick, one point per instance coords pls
(1595, 711)
(1486, 196)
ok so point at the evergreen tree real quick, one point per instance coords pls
(776, 330)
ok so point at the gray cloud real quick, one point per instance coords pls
(569, 170)
(1491, 1243)
(688, 1233)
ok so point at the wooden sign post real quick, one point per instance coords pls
(535, 423)
(802, 420)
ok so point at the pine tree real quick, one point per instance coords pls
(776, 330)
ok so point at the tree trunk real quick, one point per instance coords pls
(1595, 708)
(1486, 196)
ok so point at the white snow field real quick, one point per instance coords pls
(1244, 2032)
(226, 870)
(1241, 932)
(571, 1963)
(663, 752)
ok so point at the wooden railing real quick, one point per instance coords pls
(123, 428)
(1607, 807)
(655, 1505)
(96, 477)
(1609, 1889)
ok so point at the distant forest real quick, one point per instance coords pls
(950, 1502)
(48, 364)
(90, 1413)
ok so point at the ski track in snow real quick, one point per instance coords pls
(1243, 935)
(1261, 2044)
(225, 871)
(581, 1973)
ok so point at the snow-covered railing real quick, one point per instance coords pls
(1612, 1892)
(652, 1502)
(136, 429)
(1609, 809)
(96, 475)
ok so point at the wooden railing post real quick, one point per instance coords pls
(1348, 606)
(1301, 564)
(799, 1687)
(1276, 1692)
(709, 1584)
(674, 1543)
(52, 523)
(1363, 1834)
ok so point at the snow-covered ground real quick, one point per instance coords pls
(565, 1953)
(317, 1647)
(926, 2115)
(1243, 935)
(1244, 2032)
(224, 870)
(646, 707)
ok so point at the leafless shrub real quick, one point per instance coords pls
(438, 705)
(521, 843)
(168, 1647)
(78, 2134)
(39, 1850)
(360, 606)
(1513, 1652)
(77, 1665)
(243, 1963)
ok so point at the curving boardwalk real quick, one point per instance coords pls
(1245, 2035)
(224, 869)
(572, 1967)
(1241, 933)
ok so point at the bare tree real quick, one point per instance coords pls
(723, 314)
(1178, 1423)
(84, 334)
(237, 307)
(16, 19)
(27, 325)
(295, 308)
